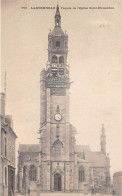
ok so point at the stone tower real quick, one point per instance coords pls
(56, 135)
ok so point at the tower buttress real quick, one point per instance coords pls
(103, 140)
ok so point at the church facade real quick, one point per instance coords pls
(57, 163)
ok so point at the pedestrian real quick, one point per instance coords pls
(28, 192)
(113, 192)
(12, 192)
(92, 190)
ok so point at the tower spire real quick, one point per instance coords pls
(57, 17)
(103, 140)
(5, 83)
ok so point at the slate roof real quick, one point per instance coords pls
(96, 158)
(29, 148)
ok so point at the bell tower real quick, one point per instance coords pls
(55, 128)
(57, 67)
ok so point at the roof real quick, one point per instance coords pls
(57, 31)
(6, 124)
(97, 158)
(82, 148)
(117, 174)
(29, 148)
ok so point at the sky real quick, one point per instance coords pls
(95, 45)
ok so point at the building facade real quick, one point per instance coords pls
(57, 163)
(117, 183)
(8, 138)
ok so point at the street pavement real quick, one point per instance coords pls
(59, 194)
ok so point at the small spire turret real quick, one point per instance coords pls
(103, 140)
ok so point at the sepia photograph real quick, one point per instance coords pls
(61, 97)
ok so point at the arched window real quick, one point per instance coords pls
(57, 44)
(5, 176)
(57, 147)
(32, 173)
(54, 59)
(61, 59)
(81, 174)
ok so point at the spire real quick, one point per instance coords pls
(103, 129)
(103, 140)
(57, 17)
(5, 83)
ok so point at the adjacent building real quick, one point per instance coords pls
(57, 163)
(117, 183)
(8, 138)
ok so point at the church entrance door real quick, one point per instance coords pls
(57, 182)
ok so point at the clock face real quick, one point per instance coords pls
(58, 117)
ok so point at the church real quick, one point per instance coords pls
(57, 163)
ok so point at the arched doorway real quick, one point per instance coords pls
(57, 182)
